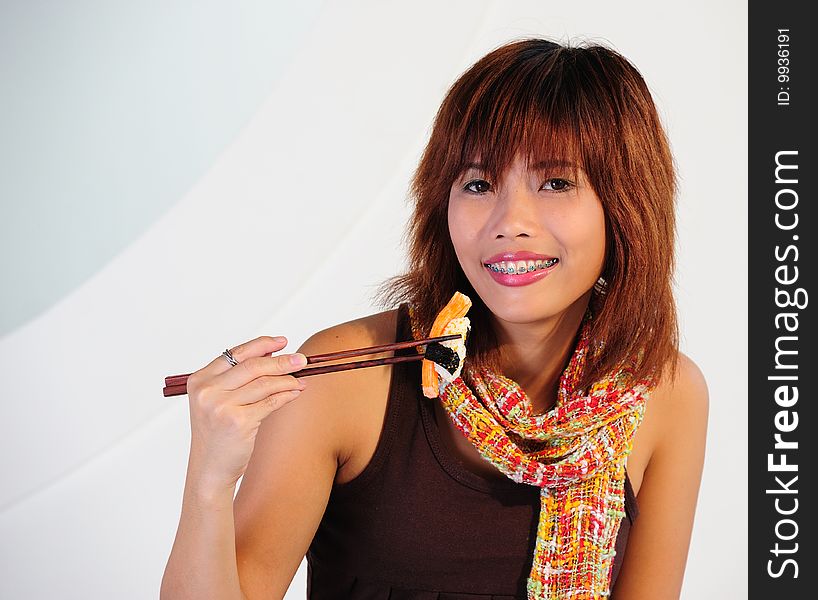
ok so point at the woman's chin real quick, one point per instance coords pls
(523, 308)
(522, 313)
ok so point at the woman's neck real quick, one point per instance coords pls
(535, 354)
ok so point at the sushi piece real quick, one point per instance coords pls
(451, 320)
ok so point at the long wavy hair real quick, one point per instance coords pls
(586, 105)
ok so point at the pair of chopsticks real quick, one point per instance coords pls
(176, 385)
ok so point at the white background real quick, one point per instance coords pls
(176, 179)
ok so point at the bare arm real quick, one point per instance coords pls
(251, 548)
(285, 490)
(202, 562)
(656, 554)
(284, 493)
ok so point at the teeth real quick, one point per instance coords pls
(521, 266)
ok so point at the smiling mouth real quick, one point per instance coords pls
(519, 267)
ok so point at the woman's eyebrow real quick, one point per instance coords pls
(546, 164)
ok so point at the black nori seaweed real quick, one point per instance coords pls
(445, 357)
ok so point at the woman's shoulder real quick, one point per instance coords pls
(675, 416)
(678, 409)
(355, 400)
(370, 330)
(682, 392)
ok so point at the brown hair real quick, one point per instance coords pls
(585, 105)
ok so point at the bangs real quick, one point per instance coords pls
(546, 108)
(546, 147)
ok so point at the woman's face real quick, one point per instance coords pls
(543, 212)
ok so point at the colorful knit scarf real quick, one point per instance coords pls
(575, 453)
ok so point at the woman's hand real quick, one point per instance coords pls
(227, 405)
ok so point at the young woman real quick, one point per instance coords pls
(546, 195)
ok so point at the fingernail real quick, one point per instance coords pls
(298, 360)
(302, 381)
(279, 339)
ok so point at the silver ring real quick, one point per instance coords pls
(233, 362)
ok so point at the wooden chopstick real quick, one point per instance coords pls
(176, 385)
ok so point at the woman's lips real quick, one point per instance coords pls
(526, 278)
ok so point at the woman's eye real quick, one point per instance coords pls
(482, 184)
(558, 185)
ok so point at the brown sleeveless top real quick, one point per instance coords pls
(417, 525)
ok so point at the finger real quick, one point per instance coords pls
(261, 346)
(263, 408)
(259, 366)
(262, 387)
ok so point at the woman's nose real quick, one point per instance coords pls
(515, 213)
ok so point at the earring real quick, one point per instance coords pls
(601, 286)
